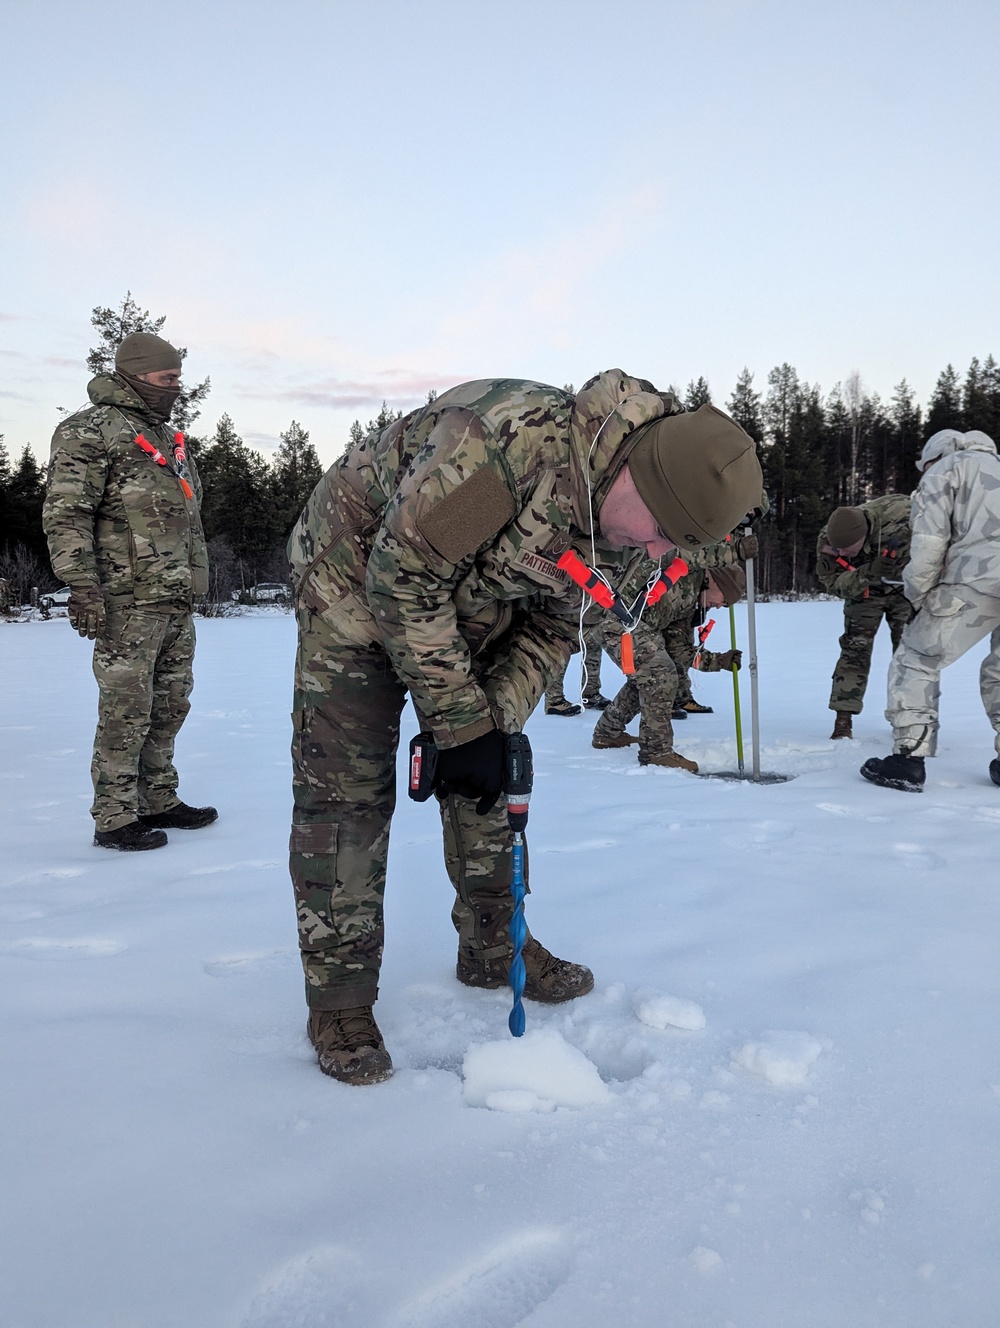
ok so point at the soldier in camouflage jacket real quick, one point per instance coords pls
(425, 563)
(866, 571)
(121, 516)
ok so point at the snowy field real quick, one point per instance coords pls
(780, 1108)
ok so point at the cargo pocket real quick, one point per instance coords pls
(319, 837)
(313, 862)
(944, 601)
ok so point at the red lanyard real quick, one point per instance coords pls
(598, 589)
(161, 460)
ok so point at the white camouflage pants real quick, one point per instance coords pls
(951, 620)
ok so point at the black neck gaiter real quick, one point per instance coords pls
(159, 400)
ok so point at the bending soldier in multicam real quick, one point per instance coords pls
(125, 534)
(679, 633)
(425, 562)
(662, 660)
(953, 582)
(860, 556)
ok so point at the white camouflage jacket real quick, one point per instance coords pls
(955, 516)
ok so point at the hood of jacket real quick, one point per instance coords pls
(608, 413)
(110, 390)
(946, 441)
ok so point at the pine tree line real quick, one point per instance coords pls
(820, 452)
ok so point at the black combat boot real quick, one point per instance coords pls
(562, 707)
(678, 712)
(547, 979)
(349, 1046)
(995, 771)
(898, 771)
(597, 702)
(181, 817)
(131, 838)
(842, 725)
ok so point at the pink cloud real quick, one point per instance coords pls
(398, 388)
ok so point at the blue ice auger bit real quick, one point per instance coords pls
(517, 792)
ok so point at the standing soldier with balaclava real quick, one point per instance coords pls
(122, 520)
(860, 556)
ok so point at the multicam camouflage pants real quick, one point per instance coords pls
(678, 637)
(952, 619)
(590, 680)
(348, 703)
(862, 618)
(650, 692)
(142, 662)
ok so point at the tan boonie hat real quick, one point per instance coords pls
(732, 581)
(846, 526)
(698, 474)
(144, 352)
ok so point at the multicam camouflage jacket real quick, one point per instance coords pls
(878, 568)
(680, 599)
(956, 517)
(437, 538)
(112, 515)
(675, 607)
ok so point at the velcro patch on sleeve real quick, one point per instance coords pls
(469, 516)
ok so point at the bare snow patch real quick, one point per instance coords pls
(704, 1260)
(537, 1072)
(780, 1057)
(657, 1010)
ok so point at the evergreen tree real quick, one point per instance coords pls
(745, 407)
(385, 416)
(238, 503)
(980, 397)
(295, 471)
(23, 495)
(113, 326)
(5, 516)
(991, 388)
(945, 409)
(698, 394)
(907, 424)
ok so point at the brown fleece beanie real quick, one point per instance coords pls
(732, 581)
(143, 352)
(698, 474)
(846, 526)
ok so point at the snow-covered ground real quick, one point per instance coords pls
(780, 1107)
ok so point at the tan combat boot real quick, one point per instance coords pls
(547, 979)
(671, 761)
(842, 725)
(601, 740)
(349, 1046)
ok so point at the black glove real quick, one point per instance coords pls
(85, 611)
(473, 770)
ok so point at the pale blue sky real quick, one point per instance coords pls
(336, 201)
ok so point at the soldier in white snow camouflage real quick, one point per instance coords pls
(953, 581)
